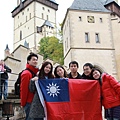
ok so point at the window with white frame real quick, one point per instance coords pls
(101, 20)
(80, 18)
(42, 16)
(20, 35)
(87, 37)
(97, 39)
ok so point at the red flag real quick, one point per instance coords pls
(71, 99)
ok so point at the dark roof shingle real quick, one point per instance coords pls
(90, 5)
(53, 1)
(47, 23)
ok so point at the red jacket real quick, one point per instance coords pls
(25, 95)
(110, 91)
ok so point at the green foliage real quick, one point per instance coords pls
(51, 48)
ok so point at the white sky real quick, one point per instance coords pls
(6, 21)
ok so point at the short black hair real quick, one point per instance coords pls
(31, 55)
(88, 64)
(73, 62)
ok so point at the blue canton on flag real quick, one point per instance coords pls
(55, 90)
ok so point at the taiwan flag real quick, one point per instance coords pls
(70, 99)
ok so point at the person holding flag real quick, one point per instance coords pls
(37, 109)
(69, 99)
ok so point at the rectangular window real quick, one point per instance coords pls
(101, 20)
(42, 16)
(97, 38)
(26, 18)
(20, 35)
(80, 18)
(48, 10)
(47, 17)
(86, 37)
(39, 29)
(30, 15)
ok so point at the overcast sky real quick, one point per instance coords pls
(6, 21)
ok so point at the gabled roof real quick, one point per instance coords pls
(89, 5)
(47, 23)
(18, 48)
(12, 58)
(23, 4)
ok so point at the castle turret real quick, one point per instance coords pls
(6, 51)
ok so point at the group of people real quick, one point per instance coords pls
(4, 70)
(110, 88)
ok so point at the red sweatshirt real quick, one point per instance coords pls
(25, 94)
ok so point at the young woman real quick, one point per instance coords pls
(60, 72)
(110, 90)
(37, 110)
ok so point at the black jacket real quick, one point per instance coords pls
(87, 77)
(70, 76)
(4, 76)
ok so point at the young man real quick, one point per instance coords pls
(4, 70)
(73, 66)
(87, 68)
(25, 94)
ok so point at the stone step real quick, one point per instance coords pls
(12, 96)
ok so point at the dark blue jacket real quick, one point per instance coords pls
(4, 75)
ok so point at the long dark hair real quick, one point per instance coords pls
(42, 74)
(55, 72)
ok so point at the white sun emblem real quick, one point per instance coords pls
(53, 89)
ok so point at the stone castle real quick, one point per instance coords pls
(90, 33)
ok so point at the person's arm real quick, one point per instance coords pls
(24, 87)
(115, 84)
(7, 69)
(32, 87)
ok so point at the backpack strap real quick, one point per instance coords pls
(33, 74)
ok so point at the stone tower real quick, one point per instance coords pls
(88, 35)
(7, 51)
(33, 20)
